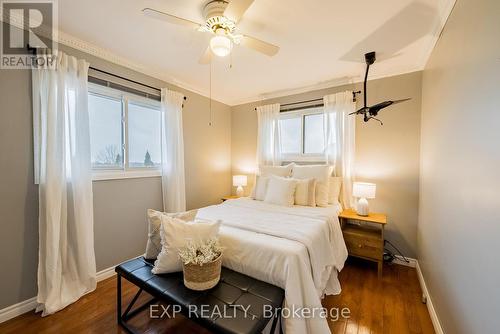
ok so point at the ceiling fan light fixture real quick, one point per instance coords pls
(221, 45)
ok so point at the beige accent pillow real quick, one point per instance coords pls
(280, 191)
(153, 246)
(305, 192)
(260, 187)
(175, 234)
(334, 190)
(319, 172)
(283, 171)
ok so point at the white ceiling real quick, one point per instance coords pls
(322, 41)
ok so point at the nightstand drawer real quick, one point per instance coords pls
(362, 246)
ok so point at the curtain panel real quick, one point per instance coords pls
(172, 153)
(268, 138)
(339, 130)
(66, 262)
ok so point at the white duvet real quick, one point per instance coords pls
(300, 249)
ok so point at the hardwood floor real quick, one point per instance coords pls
(390, 305)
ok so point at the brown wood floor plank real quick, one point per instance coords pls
(390, 305)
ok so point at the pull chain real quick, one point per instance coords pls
(210, 93)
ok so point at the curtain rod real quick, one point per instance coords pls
(313, 100)
(126, 79)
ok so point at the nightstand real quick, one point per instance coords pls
(364, 236)
(225, 198)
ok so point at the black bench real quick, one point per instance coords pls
(234, 289)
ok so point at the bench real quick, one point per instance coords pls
(233, 290)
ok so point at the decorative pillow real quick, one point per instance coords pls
(334, 191)
(305, 192)
(319, 172)
(283, 171)
(260, 187)
(153, 247)
(175, 234)
(281, 191)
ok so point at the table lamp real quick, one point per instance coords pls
(239, 181)
(363, 191)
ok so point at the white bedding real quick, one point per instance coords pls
(298, 248)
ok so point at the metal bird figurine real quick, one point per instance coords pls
(372, 111)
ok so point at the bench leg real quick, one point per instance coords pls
(277, 320)
(122, 318)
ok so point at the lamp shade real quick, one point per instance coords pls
(364, 190)
(239, 180)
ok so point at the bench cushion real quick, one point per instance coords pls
(233, 289)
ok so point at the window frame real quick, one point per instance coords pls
(302, 113)
(125, 172)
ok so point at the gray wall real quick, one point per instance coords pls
(119, 205)
(459, 223)
(387, 155)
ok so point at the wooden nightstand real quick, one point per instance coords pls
(225, 198)
(364, 235)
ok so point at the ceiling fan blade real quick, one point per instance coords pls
(236, 8)
(399, 101)
(385, 104)
(207, 56)
(260, 46)
(156, 14)
(360, 111)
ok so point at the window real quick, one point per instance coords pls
(302, 134)
(125, 134)
(144, 136)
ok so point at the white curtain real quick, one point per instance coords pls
(172, 152)
(66, 263)
(339, 130)
(268, 139)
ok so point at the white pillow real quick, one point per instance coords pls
(260, 187)
(321, 173)
(153, 246)
(334, 191)
(305, 192)
(283, 171)
(175, 234)
(280, 191)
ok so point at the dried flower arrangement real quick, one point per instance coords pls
(200, 253)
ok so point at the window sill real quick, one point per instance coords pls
(98, 175)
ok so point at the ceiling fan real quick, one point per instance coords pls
(221, 19)
(372, 111)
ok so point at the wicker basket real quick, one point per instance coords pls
(202, 277)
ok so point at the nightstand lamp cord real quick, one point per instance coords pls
(392, 256)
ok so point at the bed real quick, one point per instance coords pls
(298, 248)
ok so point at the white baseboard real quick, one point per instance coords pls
(105, 274)
(17, 309)
(430, 306)
(398, 259)
(30, 304)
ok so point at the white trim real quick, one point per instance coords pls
(30, 304)
(106, 273)
(398, 259)
(430, 306)
(103, 175)
(17, 309)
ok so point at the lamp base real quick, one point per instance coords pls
(239, 191)
(362, 208)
